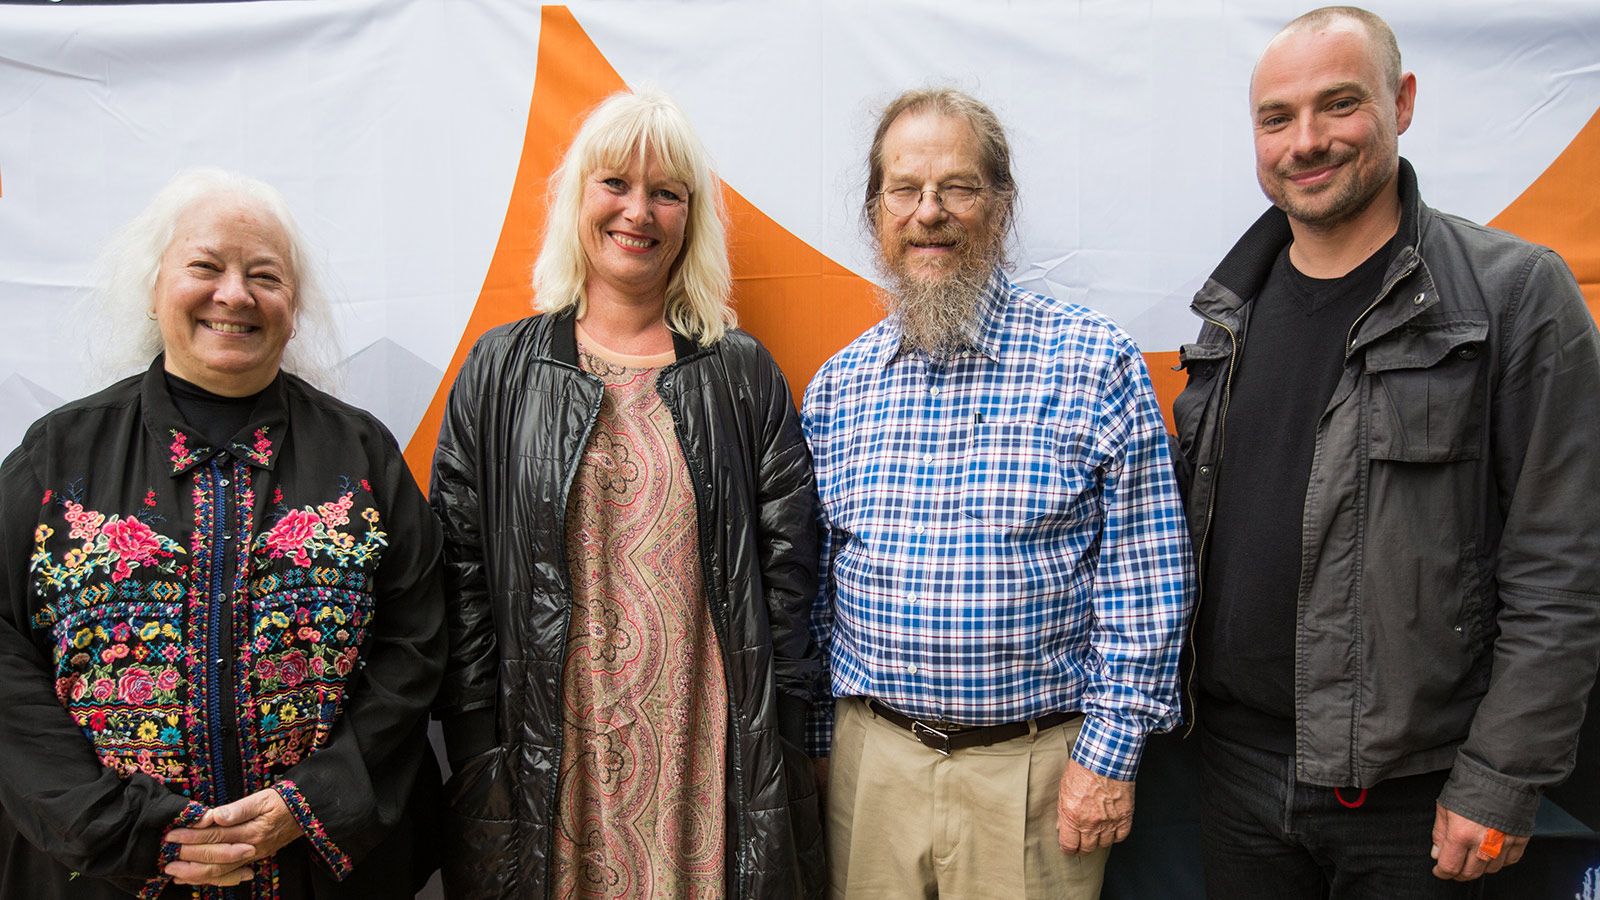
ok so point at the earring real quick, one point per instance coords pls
(150, 314)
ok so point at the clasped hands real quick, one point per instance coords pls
(220, 848)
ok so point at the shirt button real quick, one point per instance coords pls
(933, 391)
(223, 482)
(921, 529)
(912, 668)
(928, 458)
(912, 601)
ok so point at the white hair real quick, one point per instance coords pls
(125, 338)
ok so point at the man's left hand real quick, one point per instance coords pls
(1093, 811)
(1456, 839)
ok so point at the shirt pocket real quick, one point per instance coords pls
(1427, 400)
(1016, 477)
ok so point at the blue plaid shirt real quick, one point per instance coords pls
(1003, 537)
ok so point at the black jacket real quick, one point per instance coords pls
(132, 700)
(1449, 608)
(518, 419)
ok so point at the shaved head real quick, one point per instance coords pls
(1380, 37)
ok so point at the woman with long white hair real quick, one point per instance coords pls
(220, 616)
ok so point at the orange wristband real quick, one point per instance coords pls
(1492, 844)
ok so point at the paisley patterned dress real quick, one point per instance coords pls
(641, 809)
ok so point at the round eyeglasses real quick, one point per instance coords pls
(952, 198)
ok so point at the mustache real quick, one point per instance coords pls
(947, 233)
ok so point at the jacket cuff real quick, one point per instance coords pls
(169, 852)
(1490, 798)
(326, 850)
(1110, 749)
(819, 729)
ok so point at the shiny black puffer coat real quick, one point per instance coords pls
(514, 430)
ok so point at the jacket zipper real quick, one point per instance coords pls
(1205, 535)
(566, 625)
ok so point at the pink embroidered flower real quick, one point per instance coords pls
(277, 495)
(120, 631)
(41, 533)
(306, 633)
(342, 664)
(79, 688)
(172, 652)
(150, 499)
(118, 651)
(85, 522)
(97, 719)
(302, 558)
(105, 655)
(66, 687)
(167, 680)
(104, 688)
(136, 685)
(121, 570)
(293, 667)
(181, 455)
(47, 496)
(261, 452)
(337, 512)
(266, 670)
(132, 539)
(366, 487)
(292, 531)
(317, 665)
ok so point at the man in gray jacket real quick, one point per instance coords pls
(1392, 433)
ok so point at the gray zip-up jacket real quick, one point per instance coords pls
(1449, 606)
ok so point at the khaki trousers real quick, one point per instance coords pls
(905, 821)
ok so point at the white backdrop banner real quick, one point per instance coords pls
(396, 128)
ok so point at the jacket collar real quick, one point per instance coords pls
(1240, 275)
(564, 339)
(257, 443)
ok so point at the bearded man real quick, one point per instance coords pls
(1006, 572)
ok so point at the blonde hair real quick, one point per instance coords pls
(126, 270)
(623, 127)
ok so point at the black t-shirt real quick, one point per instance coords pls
(1292, 360)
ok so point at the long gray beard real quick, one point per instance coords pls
(940, 318)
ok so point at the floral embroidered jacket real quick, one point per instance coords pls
(147, 679)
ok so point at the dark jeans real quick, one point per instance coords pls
(1268, 836)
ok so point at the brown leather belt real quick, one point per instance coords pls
(944, 737)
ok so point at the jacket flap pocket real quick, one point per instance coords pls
(1192, 353)
(1420, 347)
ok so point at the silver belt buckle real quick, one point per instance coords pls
(926, 735)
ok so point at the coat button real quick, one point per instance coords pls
(1205, 470)
(1468, 353)
(1417, 300)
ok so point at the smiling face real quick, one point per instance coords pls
(631, 226)
(930, 151)
(1327, 124)
(224, 297)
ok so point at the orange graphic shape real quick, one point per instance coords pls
(1561, 210)
(797, 301)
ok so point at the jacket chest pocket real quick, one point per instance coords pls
(1014, 477)
(1205, 364)
(1427, 400)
